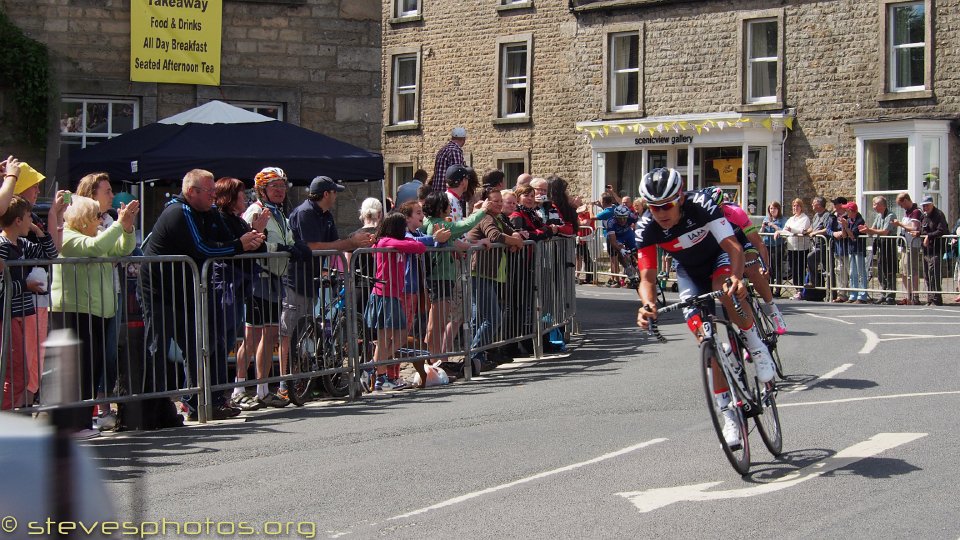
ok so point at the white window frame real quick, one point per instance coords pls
(934, 135)
(505, 86)
(397, 90)
(893, 48)
(614, 70)
(391, 82)
(88, 138)
(261, 108)
(399, 12)
(502, 158)
(751, 61)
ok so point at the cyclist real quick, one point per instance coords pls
(620, 233)
(753, 250)
(693, 229)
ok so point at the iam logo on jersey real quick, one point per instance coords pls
(694, 237)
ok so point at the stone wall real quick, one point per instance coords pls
(320, 58)
(833, 68)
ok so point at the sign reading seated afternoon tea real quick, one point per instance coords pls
(175, 41)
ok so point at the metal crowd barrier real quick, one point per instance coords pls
(115, 363)
(181, 331)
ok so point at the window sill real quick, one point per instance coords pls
(901, 96)
(758, 107)
(406, 19)
(402, 127)
(517, 5)
(511, 120)
(621, 115)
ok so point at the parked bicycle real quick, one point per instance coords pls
(322, 343)
(726, 351)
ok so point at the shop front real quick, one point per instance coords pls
(707, 150)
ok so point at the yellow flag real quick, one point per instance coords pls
(788, 121)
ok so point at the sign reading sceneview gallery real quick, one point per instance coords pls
(175, 41)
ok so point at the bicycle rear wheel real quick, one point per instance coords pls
(303, 359)
(739, 457)
(768, 331)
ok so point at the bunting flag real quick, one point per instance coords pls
(684, 125)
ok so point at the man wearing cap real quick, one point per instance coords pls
(932, 228)
(312, 223)
(911, 260)
(457, 180)
(449, 155)
(817, 259)
(884, 248)
(836, 229)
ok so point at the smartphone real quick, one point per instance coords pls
(67, 198)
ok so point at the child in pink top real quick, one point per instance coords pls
(384, 311)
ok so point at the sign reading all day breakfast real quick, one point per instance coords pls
(175, 41)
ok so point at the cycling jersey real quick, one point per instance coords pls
(623, 232)
(742, 225)
(694, 242)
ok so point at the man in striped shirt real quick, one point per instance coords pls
(450, 154)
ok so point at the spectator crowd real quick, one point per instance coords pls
(253, 307)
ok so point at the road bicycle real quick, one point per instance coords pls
(725, 350)
(321, 343)
(628, 261)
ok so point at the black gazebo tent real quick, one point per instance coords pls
(221, 142)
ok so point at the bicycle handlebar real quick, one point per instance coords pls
(691, 302)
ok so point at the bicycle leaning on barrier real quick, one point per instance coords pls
(733, 390)
(322, 342)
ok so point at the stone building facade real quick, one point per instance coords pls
(835, 98)
(314, 63)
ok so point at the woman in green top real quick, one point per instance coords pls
(83, 296)
(443, 271)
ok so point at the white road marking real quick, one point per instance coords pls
(829, 318)
(828, 375)
(872, 341)
(475, 494)
(901, 316)
(652, 499)
(849, 400)
(924, 323)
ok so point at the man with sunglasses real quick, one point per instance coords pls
(692, 228)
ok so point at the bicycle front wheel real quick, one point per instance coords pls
(768, 422)
(336, 355)
(721, 415)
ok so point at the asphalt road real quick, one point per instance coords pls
(611, 440)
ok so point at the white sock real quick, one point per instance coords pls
(723, 398)
(239, 390)
(754, 341)
(262, 391)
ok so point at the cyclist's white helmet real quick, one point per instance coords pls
(660, 185)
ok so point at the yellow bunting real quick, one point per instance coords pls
(606, 130)
(684, 126)
(622, 130)
(651, 130)
(767, 124)
(579, 128)
(699, 129)
(788, 121)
